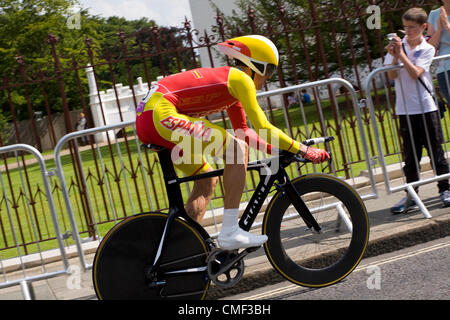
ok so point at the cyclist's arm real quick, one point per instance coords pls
(243, 89)
(242, 131)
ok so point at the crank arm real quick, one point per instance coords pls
(236, 259)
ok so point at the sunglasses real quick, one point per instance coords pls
(267, 69)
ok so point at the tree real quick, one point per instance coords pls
(318, 38)
(26, 56)
(162, 46)
(24, 26)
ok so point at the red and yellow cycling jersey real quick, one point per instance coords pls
(176, 103)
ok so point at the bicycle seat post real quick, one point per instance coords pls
(170, 179)
(174, 194)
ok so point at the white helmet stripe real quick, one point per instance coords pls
(268, 42)
(252, 50)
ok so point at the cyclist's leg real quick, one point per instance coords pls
(189, 139)
(235, 155)
(200, 196)
(233, 181)
(231, 235)
(236, 159)
(192, 139)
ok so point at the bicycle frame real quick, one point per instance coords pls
(268, 176)
(174, 270)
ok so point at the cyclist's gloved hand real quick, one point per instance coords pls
(316, 155)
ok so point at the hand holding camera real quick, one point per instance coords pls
(395, 45)
(391, 37)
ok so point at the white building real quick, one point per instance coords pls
(204, 17)
(104, 107)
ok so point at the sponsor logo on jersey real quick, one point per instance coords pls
(196, 129)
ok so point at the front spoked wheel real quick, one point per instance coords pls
(304, 256)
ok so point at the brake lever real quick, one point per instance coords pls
(314, 141)
(329, 163)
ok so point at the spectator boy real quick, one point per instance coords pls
(420, 125)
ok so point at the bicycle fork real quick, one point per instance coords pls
(299, 204)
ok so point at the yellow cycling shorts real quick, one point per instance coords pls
(191, 139)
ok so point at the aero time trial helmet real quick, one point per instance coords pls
(256, 52)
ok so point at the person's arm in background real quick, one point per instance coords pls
(436, 28)
(434, 35)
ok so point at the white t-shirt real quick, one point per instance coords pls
(411, 96)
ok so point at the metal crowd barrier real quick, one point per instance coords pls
(24, 263)
(409, 187)
(81, 190)
(129, 190)
(103, 179)
(112, 172)
(344, 143)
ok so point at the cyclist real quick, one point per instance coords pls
(171, 112)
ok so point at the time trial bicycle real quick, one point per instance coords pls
(317, 228)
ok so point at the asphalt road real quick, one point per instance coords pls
(421, 272)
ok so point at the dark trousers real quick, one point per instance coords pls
(422, 124)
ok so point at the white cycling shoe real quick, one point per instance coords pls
(240, 239)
